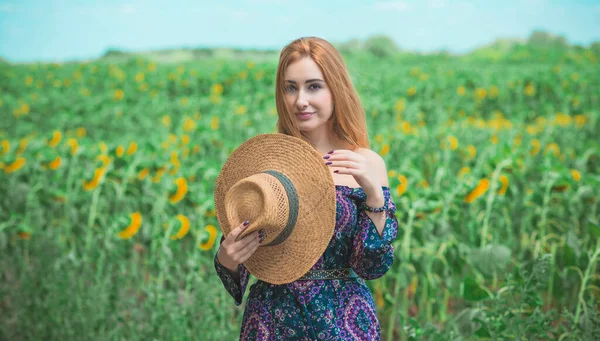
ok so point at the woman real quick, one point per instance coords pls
(317, 102)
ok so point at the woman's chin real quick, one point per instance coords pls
(306, 127)
(309, 124)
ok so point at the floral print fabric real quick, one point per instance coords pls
(324, 309)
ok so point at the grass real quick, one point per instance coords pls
(494, 168)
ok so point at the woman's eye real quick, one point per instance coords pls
(291, 88)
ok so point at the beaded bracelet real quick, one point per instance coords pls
(365, 207)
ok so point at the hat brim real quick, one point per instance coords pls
(302, 164)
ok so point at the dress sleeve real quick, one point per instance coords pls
(235, 288)
(373, 254)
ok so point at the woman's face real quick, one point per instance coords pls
(307, 95)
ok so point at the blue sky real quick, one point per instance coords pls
(52, 30)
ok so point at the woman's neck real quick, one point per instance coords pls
(325, 140)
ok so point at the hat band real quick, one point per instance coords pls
(292, 196)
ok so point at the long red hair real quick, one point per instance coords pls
(348, 118)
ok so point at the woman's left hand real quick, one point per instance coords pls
(355, 164)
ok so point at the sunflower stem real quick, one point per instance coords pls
(92, 216)
(589, 272)
(542, 221)
(490, 200)
(405, 258)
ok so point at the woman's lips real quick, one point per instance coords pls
(304, 116)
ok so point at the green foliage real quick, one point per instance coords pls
(351, 47)
(515, 313)
(491, 259)
(381, 46)
(463, 269)
(544, 39)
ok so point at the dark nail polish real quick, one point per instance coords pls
(336, 171)
(331, 152)
(246, 222)
(328, 162)
(326, 157)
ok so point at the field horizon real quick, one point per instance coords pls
(107, 222)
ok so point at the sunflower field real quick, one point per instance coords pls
(107, 171)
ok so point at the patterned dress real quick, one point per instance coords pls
(324, 309)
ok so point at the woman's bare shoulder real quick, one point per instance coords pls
(370, 154)
(375, 160)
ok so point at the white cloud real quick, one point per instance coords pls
(8, 8)
(269, 2)
(239, 15)
(128, 9)
(465, 6)
(392, 6)
(435, 4)
(285, 19)
(533, 2)
(12, 31)
(105, 9)
(87, 9)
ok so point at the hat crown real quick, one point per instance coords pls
(286, 253)
(262, 199)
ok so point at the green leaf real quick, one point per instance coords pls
(594, 228)
(483, 332)
(491, 258)
(472, 291)
(573, 243)
(534, 300)
(567, 256)
(465, 322)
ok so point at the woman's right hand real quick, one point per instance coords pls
(232, 253)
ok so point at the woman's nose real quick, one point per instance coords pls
(301, 102)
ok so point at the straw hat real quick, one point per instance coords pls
(281, 184)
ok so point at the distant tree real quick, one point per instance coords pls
(595, 47)
(223, 52)
(381, 46)
(561, 41)
(540, 38)
(350, 47)
(202, 52)
(113, 53)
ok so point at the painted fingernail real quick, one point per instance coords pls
(331, 152)
(261, 236)
(326, 157)
(328, 162)
(246, 222)
(336, 171)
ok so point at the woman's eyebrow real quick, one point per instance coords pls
(307, 81)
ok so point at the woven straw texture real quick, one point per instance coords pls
(261, 199)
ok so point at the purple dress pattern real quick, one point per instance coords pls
(324, 309)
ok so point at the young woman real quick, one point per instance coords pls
(317, 102)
